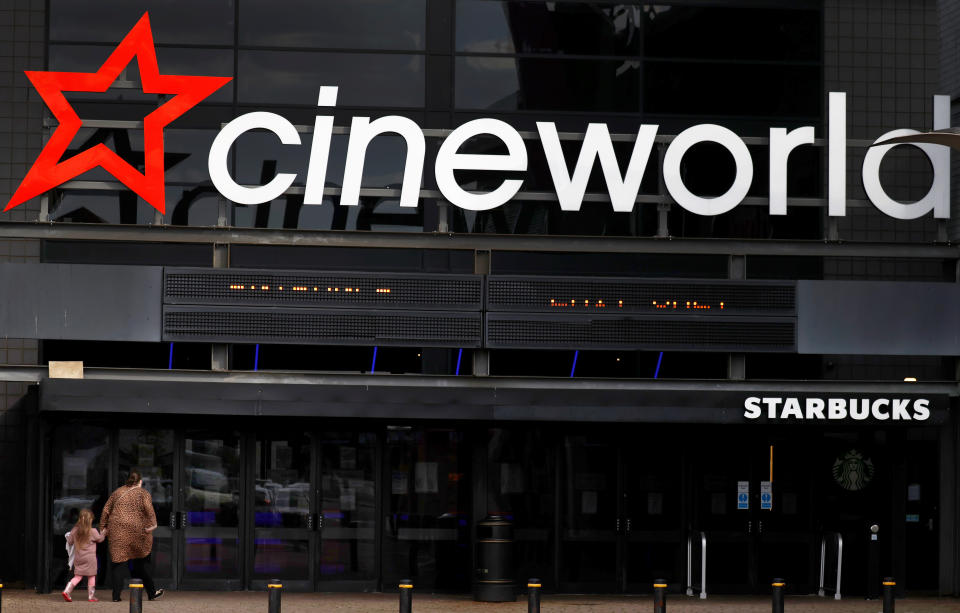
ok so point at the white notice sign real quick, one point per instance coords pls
(743, 495)
(766, 496)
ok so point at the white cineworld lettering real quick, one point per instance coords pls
(858, 409)
(622, 187)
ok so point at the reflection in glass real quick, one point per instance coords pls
(588, 511)
(333, 24)
(211, 501)
(171, 60)
(501, 83)
(294, 77)
(80, 464)
(520, 478)
(151, 453)
(281, 500)
(548, 27)
(348, 479)
(209, 22)
(426, 532)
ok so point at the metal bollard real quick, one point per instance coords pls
(660, 596)
(136, 596)
(778, 585)
(888, 585)
(274, 588)
(406, 596)
(533, 595)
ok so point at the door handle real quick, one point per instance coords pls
(173, 520)
(618, 525)
(319, 521)
(760, 527)
(628, 524)
(749, 526)
(184, 519)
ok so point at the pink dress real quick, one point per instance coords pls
(85, 559)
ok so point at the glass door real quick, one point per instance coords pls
(426, 522)
(152, 453)
(725, 501)
(348, 511)
(653, 515)
(210, 495)
(590, 522)
(281, 503)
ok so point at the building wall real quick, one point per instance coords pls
(22, 47)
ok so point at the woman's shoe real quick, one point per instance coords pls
(66, 596)
(156, 595)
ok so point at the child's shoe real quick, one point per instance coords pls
(93, 599)
(66, 596)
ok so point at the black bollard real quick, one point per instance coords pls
(533, 595)
(406, 596)
(273, 596)
(136, 596)
(888, 585)
(660, 596)
(778, 585)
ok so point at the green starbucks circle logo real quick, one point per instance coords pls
(853, 471)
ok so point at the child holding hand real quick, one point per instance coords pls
(84, 537)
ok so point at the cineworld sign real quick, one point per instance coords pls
(570, 187)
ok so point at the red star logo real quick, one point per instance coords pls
(49, 170)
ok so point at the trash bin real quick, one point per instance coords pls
(493, 580)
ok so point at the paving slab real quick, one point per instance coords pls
(27, 601)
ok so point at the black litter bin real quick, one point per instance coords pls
(493, 580)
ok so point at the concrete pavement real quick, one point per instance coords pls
(25, 601)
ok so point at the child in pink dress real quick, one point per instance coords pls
(84, 537)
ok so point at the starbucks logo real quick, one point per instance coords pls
(852, 471)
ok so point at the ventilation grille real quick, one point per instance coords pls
(569, 295)
(331, 327)
(347, 290)
(679, 333)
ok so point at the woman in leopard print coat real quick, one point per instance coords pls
(130, 520)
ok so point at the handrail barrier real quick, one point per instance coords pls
(825, 539)
(703, 564)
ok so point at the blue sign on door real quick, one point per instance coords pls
(766, 496)
(743, 495)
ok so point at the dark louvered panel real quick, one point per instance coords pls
(326, 327)
(674, 297)
(346, 290)
(605, 332)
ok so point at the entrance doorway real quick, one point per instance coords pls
(753, 533)
(622, 506)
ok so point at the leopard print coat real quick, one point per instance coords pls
(125, 518)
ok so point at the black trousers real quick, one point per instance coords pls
(141, 570)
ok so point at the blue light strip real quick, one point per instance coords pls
(657, 372)
(256, 357)
(170, 360)
(459, 355)
(373, 366)
(573, 368)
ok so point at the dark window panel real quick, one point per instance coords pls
(358, 24)
(707, 88)
(171, 60)
(132, 254)
(364, 79)
(609, 264)
(732, 33)
(748, 222)
(351, 258)
(372, 214)
(116, 354)
(549, 27)
(506, 84)
(209, 22)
